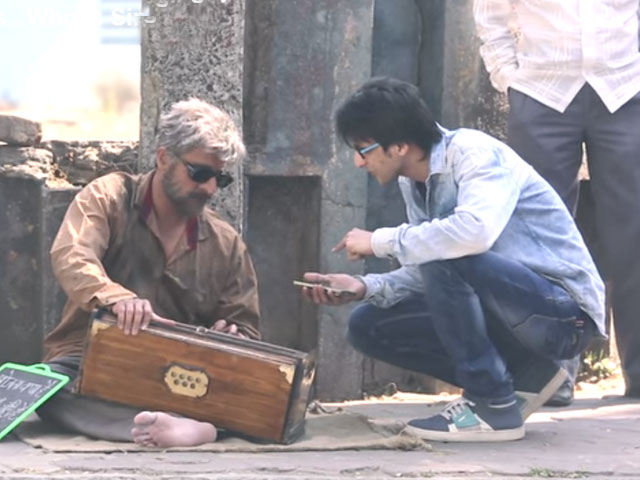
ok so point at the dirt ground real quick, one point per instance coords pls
(597, 437)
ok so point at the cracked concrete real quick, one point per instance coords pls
(595, 438)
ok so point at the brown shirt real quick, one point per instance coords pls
(108, 249)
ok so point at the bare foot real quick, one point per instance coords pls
(159, 429)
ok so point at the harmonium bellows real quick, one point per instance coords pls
(253, 388)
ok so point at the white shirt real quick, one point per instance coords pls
(548, 49)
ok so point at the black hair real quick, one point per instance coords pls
(388, 111)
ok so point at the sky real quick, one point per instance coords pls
(54, 51)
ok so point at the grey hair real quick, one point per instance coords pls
(193, 124)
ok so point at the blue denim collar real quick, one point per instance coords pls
(438, 154)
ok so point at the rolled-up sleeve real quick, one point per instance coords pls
(386, 289)
(81, 242)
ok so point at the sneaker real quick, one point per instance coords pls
(537, 384)
(464, 420)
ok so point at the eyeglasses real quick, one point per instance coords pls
(204, 173)
(364, 150)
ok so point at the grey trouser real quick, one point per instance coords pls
(87, 416)
(552, 142)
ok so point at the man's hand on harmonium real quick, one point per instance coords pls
(135, 314)
(223, 326)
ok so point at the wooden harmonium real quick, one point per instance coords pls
(249, 387)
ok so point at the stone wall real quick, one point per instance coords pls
(61, 164)
(38, 180)
(193, 49)
(302, 58)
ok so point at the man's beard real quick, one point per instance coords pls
(187, 205)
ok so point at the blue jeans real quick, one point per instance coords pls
(482, 318)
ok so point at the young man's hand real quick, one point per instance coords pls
(357, 242)
(339, 281)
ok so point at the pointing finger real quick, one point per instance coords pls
(340, 245)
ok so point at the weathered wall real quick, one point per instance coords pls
(397, 31)
(37, 183)
(30, 299)
(193, 50)
(468, 99)
(283, 214)
(302, 58)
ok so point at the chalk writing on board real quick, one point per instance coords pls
(8, 382)
(12, 409)
(23, 389)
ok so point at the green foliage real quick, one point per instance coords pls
(596, 366)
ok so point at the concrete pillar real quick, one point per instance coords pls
(468, 99)
(302, 58)
(193, 49)
(397, 30)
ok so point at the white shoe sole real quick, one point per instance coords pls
(533, 401)
(469, 436)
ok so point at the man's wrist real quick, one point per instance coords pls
(382, 240)
(368, 290)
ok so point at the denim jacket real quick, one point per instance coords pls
(481, 196)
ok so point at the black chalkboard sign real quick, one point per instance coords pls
(23, 389)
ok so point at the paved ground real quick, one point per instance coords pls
(595, 438)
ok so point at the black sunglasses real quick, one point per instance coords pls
(204, 173)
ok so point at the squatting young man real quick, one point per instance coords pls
(495, 281)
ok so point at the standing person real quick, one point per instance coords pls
(149, 247)
(572, 71)
(495, 283)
